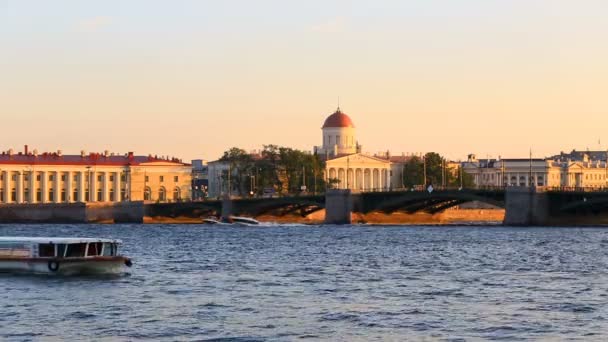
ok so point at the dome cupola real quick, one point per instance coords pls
(338, 120)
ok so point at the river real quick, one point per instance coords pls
(347, 283)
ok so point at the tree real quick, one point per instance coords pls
(413, 172)
(240, 165)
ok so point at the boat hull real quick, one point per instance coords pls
(76, 266)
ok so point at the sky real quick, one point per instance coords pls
(191, 79)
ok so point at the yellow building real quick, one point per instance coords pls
(549, 172)
(30, 177)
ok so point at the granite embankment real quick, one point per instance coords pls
(450, 216)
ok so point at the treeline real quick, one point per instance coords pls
(276, 170)
(433, 169)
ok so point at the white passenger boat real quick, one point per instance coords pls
(65, 256)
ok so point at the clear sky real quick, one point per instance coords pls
(192, 78)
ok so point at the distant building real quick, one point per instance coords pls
(200, 179)
(32, 177)
(538, 172)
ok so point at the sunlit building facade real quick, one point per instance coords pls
(30, 177)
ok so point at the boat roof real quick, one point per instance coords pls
(55, 239)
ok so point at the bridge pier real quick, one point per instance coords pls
(526, 206)
(338, 206)
(226, 207)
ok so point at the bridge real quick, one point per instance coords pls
(523, 205)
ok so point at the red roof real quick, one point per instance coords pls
(338, 119)
(88, 159)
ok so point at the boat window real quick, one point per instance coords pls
(76, 250)
(109, 249)
(61, 250)
(94, 248)
(46, 250)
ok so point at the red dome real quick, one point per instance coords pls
(338, 119)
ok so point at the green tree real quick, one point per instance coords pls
(413, 172)
(240, 167)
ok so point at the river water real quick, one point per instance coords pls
(349, 283)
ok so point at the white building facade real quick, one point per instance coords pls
(57, 178)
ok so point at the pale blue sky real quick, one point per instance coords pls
(193, 78)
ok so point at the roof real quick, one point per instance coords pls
(54, 239)
(92, 159)
(338, 120)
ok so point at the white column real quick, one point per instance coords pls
(19, 187)
(6, 180)
(44, 187)
(106, 189)
(92, 186)
(56, 188)
(32, 186)
(81, 186)
(117, 187)
(68, 187)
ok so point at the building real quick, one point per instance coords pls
(200, 179)
(584, 173)
(30, 177)
(346, 167)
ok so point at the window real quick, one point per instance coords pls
(38, 195)
(75, 195)
(46, 250)
(1, 195)
(51, 195)
(61, 250)
(1, 176)
(38, 177)
(26, 195)
(176, 179)
(94, 249)
(26, 177)
(337, 140)
(176, 194)
(63, 177)
(99, 195)
(162, 196)
(112, 195)
(14, 177)
(76, 250)
(99, 178)
(51, 177)
(109, 249)
(86, 196)
(123, 178)
(64, 197)
(162, 178)
(75, 178)
(111, 178)
(147, 194)
(147, 179)
(14, 195)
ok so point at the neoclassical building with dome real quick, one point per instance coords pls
(345, 164)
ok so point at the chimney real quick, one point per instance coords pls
(25, 149)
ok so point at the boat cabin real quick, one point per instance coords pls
(26, 247)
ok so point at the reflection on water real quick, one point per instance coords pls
(192, 282)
